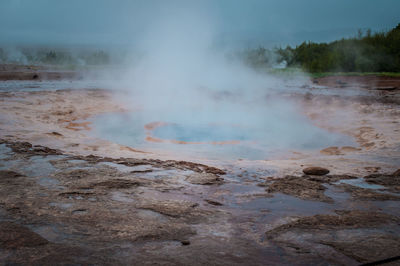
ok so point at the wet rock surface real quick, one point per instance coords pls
(369, 249)
(173, 208)
(204, 179)
(301, 187)
(342, 219)
(5, 174)
(67, 199)
(368, 194)
(392, 181)
(95, 204)
(178, 211)
(15, 236)
(360, 235)
(29, 149)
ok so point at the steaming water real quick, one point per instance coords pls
(200, 133)
(200, 96)
(260, 128)
(252, 141)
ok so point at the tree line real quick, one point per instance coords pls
(367, 52)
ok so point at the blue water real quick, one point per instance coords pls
(201, 133)
(255, 142)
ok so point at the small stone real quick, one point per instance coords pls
(185, 242)
(213, 202)
(56, 134)
(315, 171)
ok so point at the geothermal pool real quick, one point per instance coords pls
(216, 139)
(212, 124)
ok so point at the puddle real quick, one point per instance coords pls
(39, 166)
(167, 173)
(124, 168)
(281, 203)
(77, 161)
(3, 214)
(121, 197)
(360, 182)
(14, 165)
(51, 233)
(151, 195)
(61, 205)
(146, 214)
(79, 212)
(337, 195)
(4, 151)
(242, 189)
(50, 183)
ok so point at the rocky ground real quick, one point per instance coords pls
(68, 198)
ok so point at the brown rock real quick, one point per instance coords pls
(315, 171)
(185, 242)
(213, 202)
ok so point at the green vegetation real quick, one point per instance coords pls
(65, 58)
(368, 53)
(379, 52)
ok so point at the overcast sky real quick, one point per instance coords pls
(245, 22)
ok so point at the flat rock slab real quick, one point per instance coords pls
(362, 236)
(172, 208)
(204, 179)
(300, 187)
(367, 194)
(369, 249)
(13, 236)
(343, 220)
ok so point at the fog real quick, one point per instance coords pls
(186, 75)
(181, 75)
(204, 96)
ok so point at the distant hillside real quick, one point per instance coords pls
(378, 52)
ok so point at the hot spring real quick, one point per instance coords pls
(189, 96)
(228, 128)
